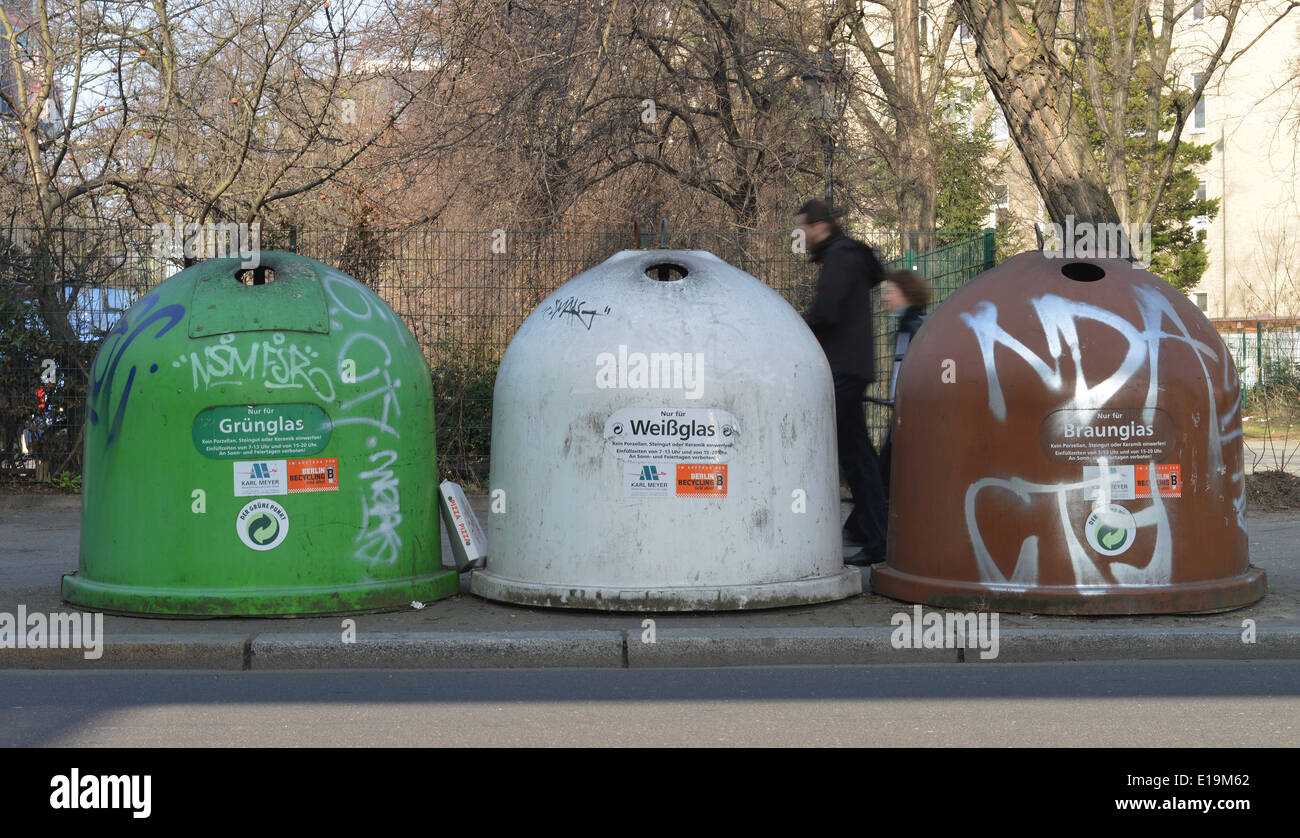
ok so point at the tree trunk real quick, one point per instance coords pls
(917, 183)
(49, 291)
(1035, 93)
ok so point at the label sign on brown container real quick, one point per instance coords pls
(1120, 434)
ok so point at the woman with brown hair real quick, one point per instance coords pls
(904, 294)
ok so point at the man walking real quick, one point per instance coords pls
(840, 317)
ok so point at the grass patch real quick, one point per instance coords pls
(1259, 428)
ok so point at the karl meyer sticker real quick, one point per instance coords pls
(1110, 530)
(262, 524)
(260, 477)
(671, 435)
(647, 480)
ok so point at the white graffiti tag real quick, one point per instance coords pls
(1157, 570)
(386, 391)
(354, 313)
(1059, 319)
(381, 511)
(275, 363)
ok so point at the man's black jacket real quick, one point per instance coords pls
(840, 314)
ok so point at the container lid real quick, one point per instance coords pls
(281, 293)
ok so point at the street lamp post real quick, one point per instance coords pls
(823, 90)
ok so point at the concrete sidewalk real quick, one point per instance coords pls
(39, 542)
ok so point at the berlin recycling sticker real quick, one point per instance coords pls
(1110, 530)
(262, 524)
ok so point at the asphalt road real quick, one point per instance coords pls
(1281, 452)
(1161, 703)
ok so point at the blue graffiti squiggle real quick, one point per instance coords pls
(115, 345)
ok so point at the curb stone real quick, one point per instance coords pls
(137, 652)
(680, 648)
(10, 502)
(440, 650)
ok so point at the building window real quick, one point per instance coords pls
(1200, 224)
(1203, 302)
(1001, 196)
(922, 27)
(999, 126)
(964, 34)
(959, 109)
(1198, 11)
(1198, 113)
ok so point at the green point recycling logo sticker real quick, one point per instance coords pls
(262, 524)
(1110, 530)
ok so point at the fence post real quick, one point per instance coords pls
(1244, 366)
(989, 248)
(909, 259)
(293, 238)
(1259, 352)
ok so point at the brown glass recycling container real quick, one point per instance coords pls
(1068, 441)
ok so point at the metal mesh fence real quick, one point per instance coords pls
(60, 294)
(462, 293)
(1267, 355)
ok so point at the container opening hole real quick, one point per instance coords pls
(666, 272)
(1082, 272)
(256, 276)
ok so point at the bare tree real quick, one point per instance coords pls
(908, 77)
(1273, 286)
(608, 112)
(1038, 57)
(214, 110)
(136, 111)
(1021, 58)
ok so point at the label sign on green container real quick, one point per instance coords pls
(261, 430)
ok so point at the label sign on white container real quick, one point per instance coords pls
(671, 435)
(647, 480)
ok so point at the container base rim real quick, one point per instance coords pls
(841, 585)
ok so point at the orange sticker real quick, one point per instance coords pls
(319, 474)
(1169, 481)
(699, 479)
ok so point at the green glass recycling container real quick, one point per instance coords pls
(259, 441)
